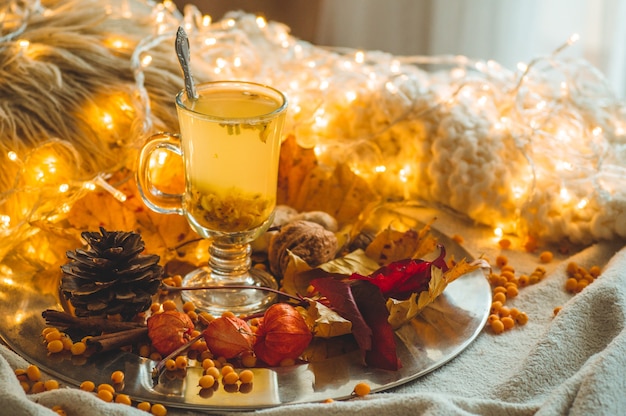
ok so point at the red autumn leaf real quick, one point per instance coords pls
(228, 336)
(167, 330)
(371, 304)
(402, 278)
(341, 301)
(282, 334)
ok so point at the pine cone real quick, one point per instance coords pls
(111, 276)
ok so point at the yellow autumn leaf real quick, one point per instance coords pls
(324, 322)
(402, 311)
(391, 245)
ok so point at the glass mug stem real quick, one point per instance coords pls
(229, 144)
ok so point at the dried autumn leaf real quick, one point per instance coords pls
(282, 334)
(402, 311)
(294, 280)
(228, 336)
(392, 245)
(325, 322)
(168, 330)
(402, 278)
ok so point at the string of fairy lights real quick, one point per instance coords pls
(538, 149)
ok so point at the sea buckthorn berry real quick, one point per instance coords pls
(55, 346)
(181, 362)
(155, 307)
(497, 326)
(107, 387)
(287, 362)
(504, 311)
(362, 389)
(533, 279)
(67, 342)
(501, 261)
(144, 350)
(227, 369)
(495, 307)
(540, 270)
(501, 280)
(78, 348)
(206, 317)
(123, 399)
(87, 385)
(511, 291)
(53, 335)
(530, 245)
(505, 243)
(230, 378)
(581, 284)
(33, 373)
(207, 363)
(169, 305)
(499, 297)
(523, 280)
(178, 280)
(213, 371)
(189, 306)
(557, 310)
(47, 330)
(51, 384)
(494, 278)
(170, 364)
(458, 238)
(59, 410)
(193, 315)
(155, 356)
(105, 395)
(248, 360)
(158, 409)
(206, 381)
(246, 376)
(571, 268)
(571, 284)
(521, 318)
(509, 276)
(595, 271)
(507, 268)
(513, 313)
(508, 322)
(117, 377)
(25, 386)
(492, 317)
(228, 314)
(145, 406)
(498, 289)
(37, 387)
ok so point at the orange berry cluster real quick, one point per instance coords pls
(31, 381)
(505, 285)
(233, 381)
(579, 278)
(112, 392)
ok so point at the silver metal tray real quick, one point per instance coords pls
(441, 332)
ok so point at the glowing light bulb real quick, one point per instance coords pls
(522, 66)
(319, 150)
(12, 156)
(237, 62)
(23, 44)
(498, 232)
(261, 22)
(380, 169)
(565, 195)
(5, 221)
(582, 203)
(541, 105)
(351, 96)
(210, 41)
(146, 61)
(230, 23)
(359, 57)
(404, 174)
(597, 131)
(206, 20)
(573, 39)
(64, 188)
(107, 120)
(90, 186)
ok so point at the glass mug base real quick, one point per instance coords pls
(238, 301)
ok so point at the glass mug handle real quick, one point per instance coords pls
(155, 199)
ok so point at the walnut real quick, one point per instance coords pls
(308, 240)
(322, 218)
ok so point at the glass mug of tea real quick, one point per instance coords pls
(229, 141)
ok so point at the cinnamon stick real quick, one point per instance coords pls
(88, 325)
(115, 340)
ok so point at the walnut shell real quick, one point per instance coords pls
(308, 240)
